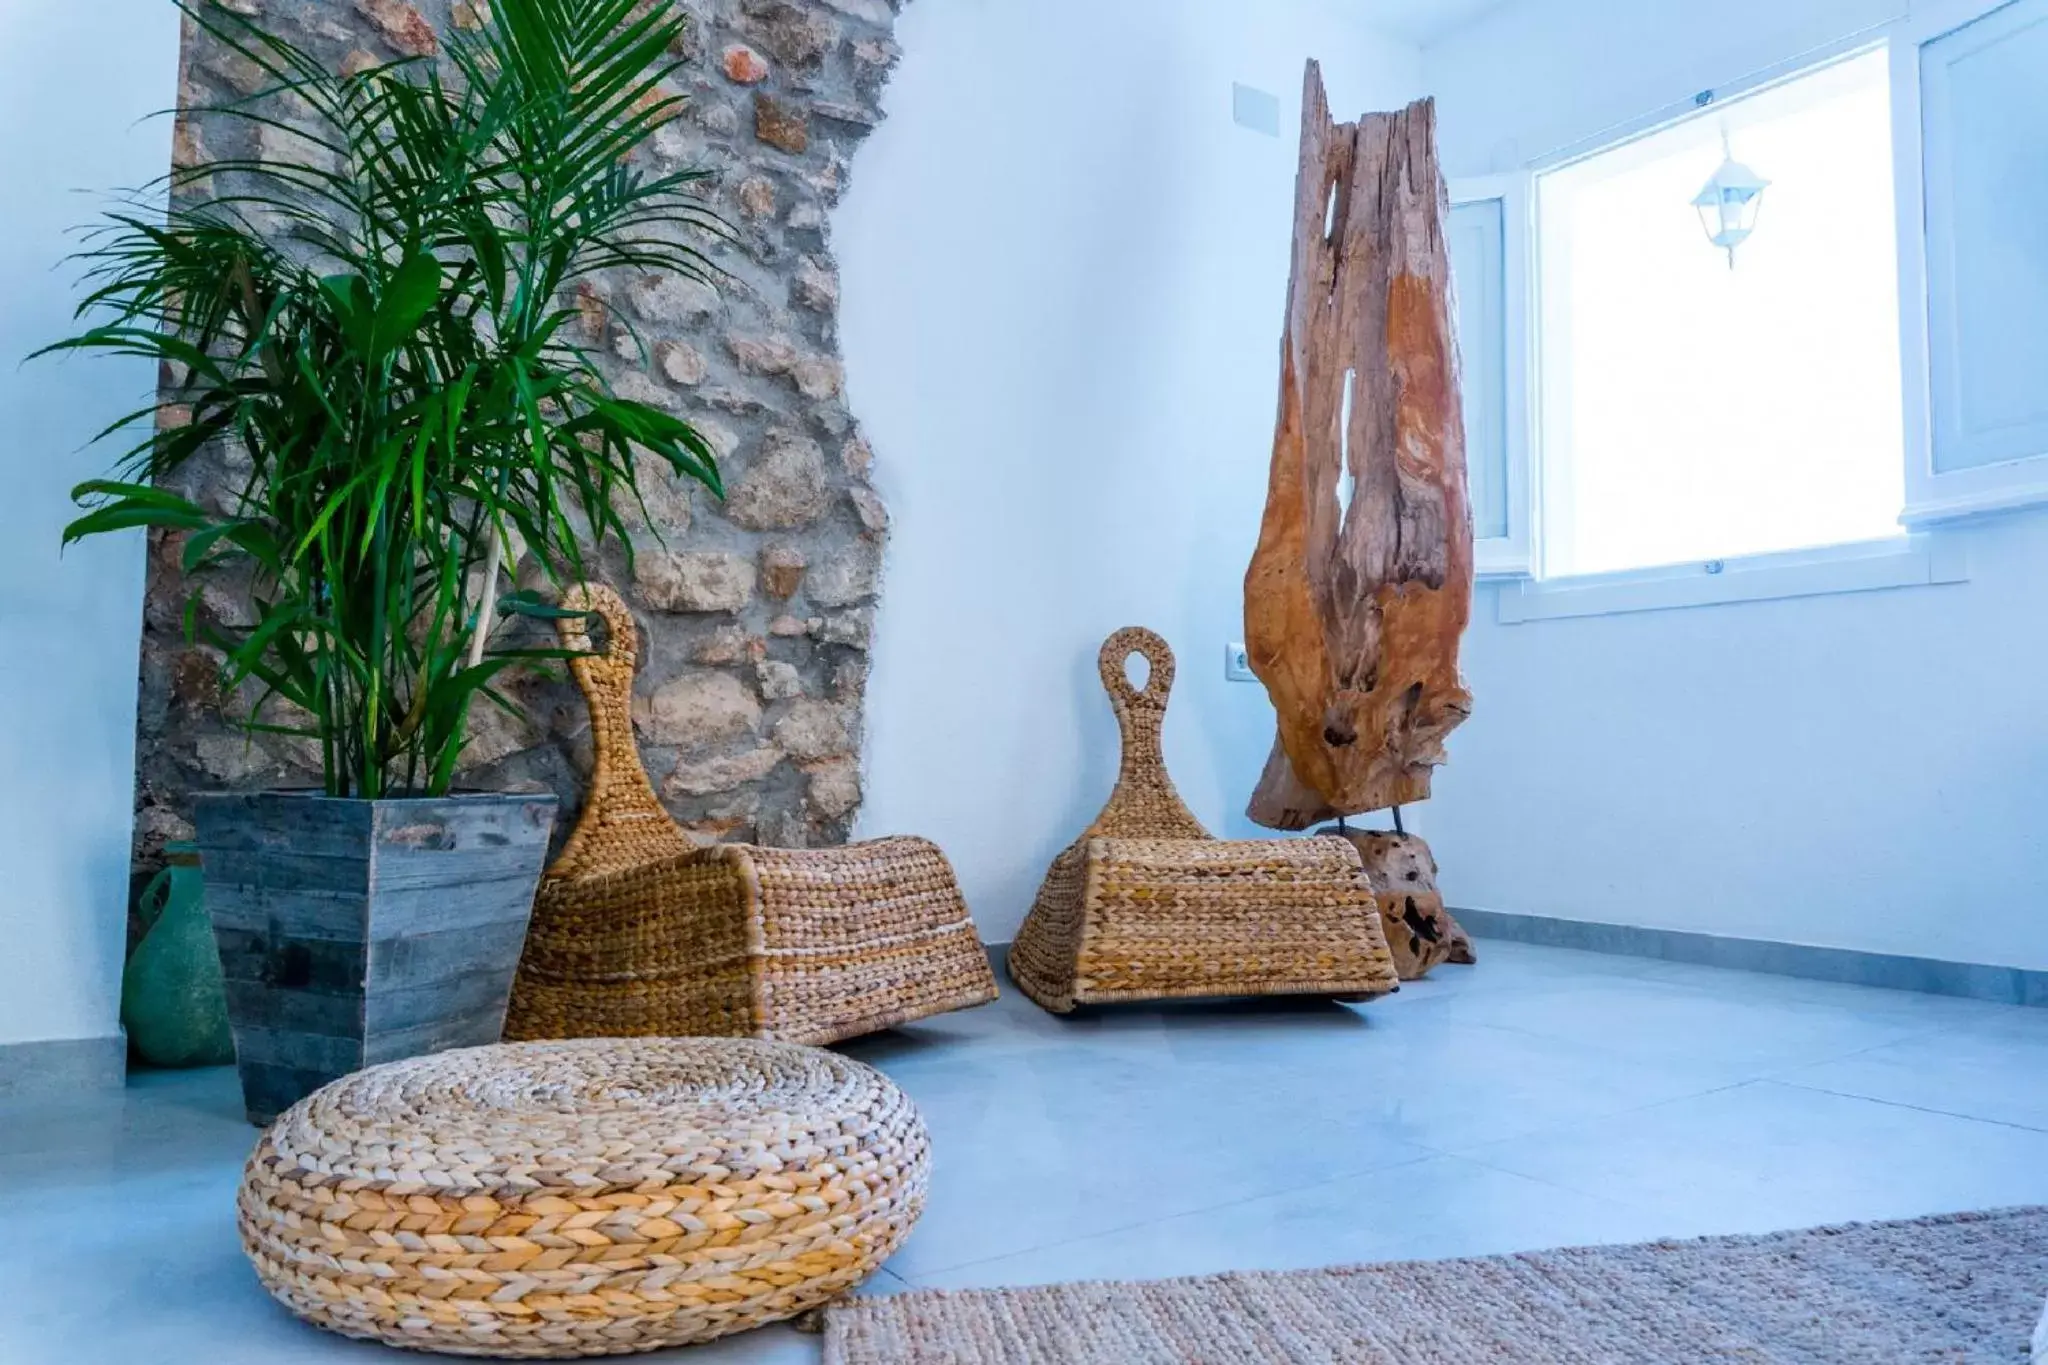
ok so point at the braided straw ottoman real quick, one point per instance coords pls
(582, 1198)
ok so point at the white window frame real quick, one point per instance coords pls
(1921, 554)
(1933, 497)
(1513, 555)
(1855, 566)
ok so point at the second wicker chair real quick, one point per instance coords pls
(639, 932)
(1147, 904)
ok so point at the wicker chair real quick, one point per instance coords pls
(637, 931)
(1148, 905)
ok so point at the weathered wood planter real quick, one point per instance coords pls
(356, 932)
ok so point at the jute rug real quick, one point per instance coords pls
(1962, 1287)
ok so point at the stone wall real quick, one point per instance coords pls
(756, 613)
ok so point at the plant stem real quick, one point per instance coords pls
(488, 604)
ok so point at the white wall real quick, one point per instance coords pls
(1064, 272)
(75, 78)
(1863, 771)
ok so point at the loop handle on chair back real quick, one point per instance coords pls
(1144, 804)
(1118, 651)
(622, 820)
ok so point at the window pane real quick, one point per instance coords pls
(1985, 110)
(1477, 268)
(1694, 411)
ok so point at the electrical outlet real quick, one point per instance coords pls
(1237, 665)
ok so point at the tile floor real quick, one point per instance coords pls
(1545, 1097)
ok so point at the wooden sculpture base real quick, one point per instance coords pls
(1420, 931)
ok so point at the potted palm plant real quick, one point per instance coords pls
(385, 325)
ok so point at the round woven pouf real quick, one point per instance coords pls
(582, 1198)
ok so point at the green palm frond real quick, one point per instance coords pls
(382, 328)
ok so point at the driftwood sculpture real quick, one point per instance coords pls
(1362, 581)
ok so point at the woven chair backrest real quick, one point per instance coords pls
(623, 823)
(1144, 804)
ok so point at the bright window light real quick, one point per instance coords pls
(1695, 409)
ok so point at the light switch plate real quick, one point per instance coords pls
(1256, 109)
(1237, 666)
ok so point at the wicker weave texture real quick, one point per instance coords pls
(1147, 905)
(582, 1198)
(638, 932)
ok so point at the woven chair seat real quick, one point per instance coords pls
(637, 931)
(582, 1198)
(1148, 905)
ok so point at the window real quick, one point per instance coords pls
(1694, 410)
(1475, 232)
(1649, 428)
(1979, 128)
(1488, 241)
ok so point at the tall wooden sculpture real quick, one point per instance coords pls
(1362, 582)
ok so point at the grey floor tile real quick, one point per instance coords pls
(1418, 1078)
(2025, 1025)
(1766, 1155)
(1531, 964)
(1731, 1028)
(1441, 1206)
(1591, 1098)
(1915, 1007)
(1064, 1146)
(2000, 1074)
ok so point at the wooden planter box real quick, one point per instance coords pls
(356, 932)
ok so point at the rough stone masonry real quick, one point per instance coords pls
(756, 612)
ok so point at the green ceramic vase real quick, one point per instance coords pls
(172, 1001)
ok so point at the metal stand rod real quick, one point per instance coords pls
(1397, 821)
